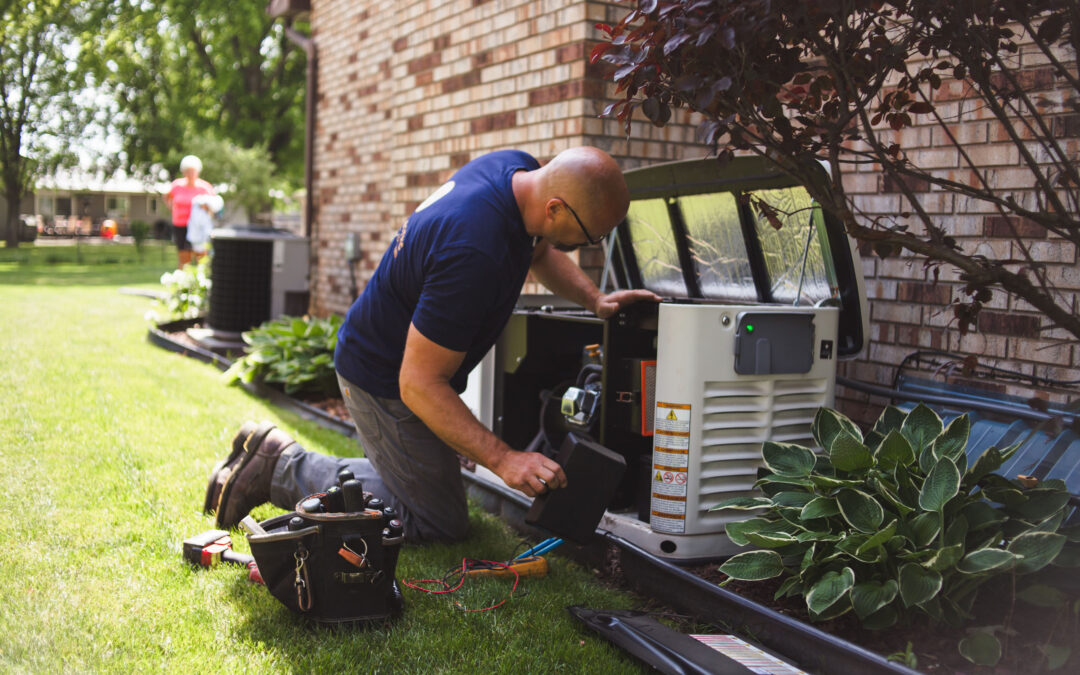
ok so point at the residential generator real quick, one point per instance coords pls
(762, 293)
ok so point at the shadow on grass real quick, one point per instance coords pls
(71, 264)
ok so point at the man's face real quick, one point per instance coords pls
(574, 239)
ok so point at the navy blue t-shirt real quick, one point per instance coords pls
(455, 270)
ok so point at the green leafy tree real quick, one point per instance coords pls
(183, 70)
(802, 82)
(39, 85)
(247, 173)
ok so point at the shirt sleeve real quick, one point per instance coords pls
(457, 298)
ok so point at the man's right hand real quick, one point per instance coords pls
(530, 472)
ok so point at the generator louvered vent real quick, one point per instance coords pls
(738, 417)
(240, 288)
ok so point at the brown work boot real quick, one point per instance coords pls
(247, 484)
(217, 476)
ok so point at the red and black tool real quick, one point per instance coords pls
(214, 547)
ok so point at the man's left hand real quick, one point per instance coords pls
(607, 305)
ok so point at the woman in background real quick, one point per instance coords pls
(181, 192)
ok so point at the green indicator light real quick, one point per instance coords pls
(749, 328)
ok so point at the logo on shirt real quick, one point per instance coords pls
(443, 190)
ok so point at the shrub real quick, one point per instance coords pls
(187, 293)
(140, 230)
(896, 524)
(297, 353)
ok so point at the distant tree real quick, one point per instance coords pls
(247, 173)
(39, 87)
(798, 82)
(182, 70)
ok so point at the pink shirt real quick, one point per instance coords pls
(182, 194)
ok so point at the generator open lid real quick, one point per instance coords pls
(699, 231)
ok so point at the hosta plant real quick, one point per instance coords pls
(296, 353)
(896, 523)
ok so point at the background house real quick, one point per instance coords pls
(409, 91)
(70, 203)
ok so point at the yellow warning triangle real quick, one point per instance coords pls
(658, 476)
(672, 416)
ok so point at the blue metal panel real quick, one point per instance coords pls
(1041, 455)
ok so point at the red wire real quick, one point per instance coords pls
(466, 565)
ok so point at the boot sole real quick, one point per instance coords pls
(250, 446)
(211, 501)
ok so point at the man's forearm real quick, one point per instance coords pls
(447, 416)
(561, 275)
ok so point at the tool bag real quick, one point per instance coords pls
(332, 568)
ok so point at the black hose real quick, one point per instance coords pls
(586, 370)
(992, 371)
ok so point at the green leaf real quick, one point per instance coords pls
(923, 528)
(1042, 504)
(743, 503)
(1037, 548)
(793, 498)
(773, 484)
(918, 584)
(870, 596)
(878, 539)
(770, 540)
(895, 450)
(787, 459)
(1069, 556)
(956, 532)
(892, 418)
(830, 483)
(980, 515)
(1055, 656)
(981, 648)
(847, 453)
(828, 423)
(946, 558)
(791, 586)
(881, 619)
(860, 510)
(921, 427)
(737, 531)
(754, 566)
(952, 442)
(987, 560)
(820, 507)
(829, 589)
(987, 463)
(807, 559)
(1042, 595)
(941, 485)
(890, 495)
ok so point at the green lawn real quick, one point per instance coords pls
(106, 442)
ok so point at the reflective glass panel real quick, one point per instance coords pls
(654, 246)
(717, 246)
(793, 253)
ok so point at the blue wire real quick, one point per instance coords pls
(542, 548)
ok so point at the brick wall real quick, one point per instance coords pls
(910, 311)
(411, 91)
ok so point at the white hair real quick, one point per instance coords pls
(190, 162)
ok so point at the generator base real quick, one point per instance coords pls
(681, 549)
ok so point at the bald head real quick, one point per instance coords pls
(590, 180)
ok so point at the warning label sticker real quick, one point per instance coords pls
(673, 417)
(671, 464)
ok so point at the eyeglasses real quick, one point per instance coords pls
(588, 238)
